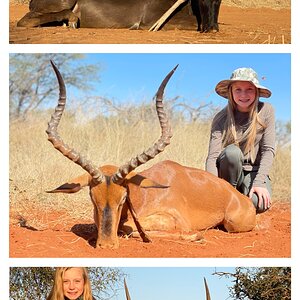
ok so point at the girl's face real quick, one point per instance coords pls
(73, 283)
(244, 94)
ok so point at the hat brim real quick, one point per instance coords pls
(222, 88)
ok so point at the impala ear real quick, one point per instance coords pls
(142, 181)
(74, 185)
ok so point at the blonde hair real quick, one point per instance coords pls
(247, 141)
(57, 292)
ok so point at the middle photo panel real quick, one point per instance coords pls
(150, 155)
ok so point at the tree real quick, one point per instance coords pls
(36, 282)
(265, 283)
(32, 83)
(283, 133)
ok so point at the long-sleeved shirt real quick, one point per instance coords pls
(264, 142)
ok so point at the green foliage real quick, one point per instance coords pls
(106, 281)
(36, 282)
(32, 84)
(265, 283)
(30, 283)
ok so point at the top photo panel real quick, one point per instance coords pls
(150, 22)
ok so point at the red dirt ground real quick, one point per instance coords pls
(271, 238)
(237, 26)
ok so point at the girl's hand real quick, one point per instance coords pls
(263, 196)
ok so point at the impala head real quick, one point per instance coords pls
(108, 184)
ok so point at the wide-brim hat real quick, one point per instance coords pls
(242, 74)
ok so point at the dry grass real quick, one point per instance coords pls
(276, 4)
(36, 167)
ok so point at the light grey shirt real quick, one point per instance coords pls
(264, 142)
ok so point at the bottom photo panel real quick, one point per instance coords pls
(148, 283)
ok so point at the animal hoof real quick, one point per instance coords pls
(73, 25)
(135, 26)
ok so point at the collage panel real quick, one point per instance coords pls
(130, 283)
(150, 22)
(132, 155)
(129, 166)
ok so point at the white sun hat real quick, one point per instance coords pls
(242, 74)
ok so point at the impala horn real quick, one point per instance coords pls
(57, 141)
(87, 165)
(126, 291)
(206, 290)
(159, 146)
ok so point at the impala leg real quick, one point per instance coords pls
(33, 19)
(240, 215)
(138, 225)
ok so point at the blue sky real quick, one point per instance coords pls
(176, 283)
(135, 77)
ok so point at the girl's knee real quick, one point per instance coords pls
(233, 153)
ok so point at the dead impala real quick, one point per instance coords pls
(181, 198)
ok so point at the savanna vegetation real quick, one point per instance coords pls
(263, 283)
(112, 135)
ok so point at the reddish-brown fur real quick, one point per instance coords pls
(195, 200)
(189, 200)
